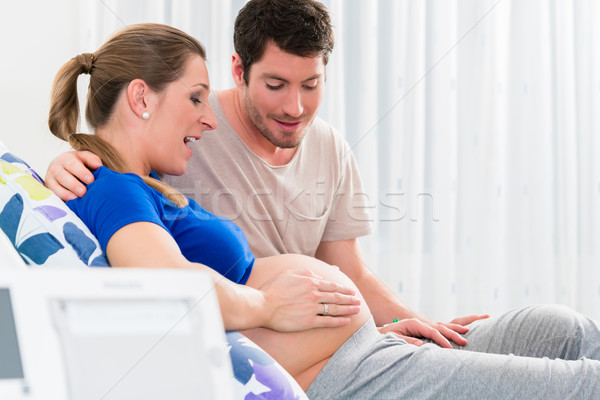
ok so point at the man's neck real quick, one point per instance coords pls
(232, 103)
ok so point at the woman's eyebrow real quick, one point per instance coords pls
(202, 85)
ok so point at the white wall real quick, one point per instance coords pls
(37, 37)
(34, 43)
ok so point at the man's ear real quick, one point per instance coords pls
(237, 71)
(139, 97)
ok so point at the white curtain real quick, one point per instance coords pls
(473, 123)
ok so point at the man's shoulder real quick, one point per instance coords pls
(323, 127)
(324, 134)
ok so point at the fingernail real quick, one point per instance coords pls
(79, 192)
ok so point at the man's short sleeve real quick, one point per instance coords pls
(350, 217)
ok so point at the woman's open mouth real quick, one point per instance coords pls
(189, 139)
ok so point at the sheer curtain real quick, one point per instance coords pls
(473, 123)
(476, 138)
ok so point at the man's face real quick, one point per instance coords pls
(283, 95)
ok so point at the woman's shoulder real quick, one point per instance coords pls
(116, 189)
(105, 173)
(105, 179)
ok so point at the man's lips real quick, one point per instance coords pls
(288, 125)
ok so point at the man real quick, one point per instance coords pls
(283, 175)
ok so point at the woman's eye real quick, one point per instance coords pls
(195, 100)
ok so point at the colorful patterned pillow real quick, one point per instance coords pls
(257, 374)
(9, 258)
(42, 229)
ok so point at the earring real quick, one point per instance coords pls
(145, 115)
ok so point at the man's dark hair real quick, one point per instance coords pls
(299, 27)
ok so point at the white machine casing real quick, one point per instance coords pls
(115, 334)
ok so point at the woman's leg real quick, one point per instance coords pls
(537, 331)
(370, 365)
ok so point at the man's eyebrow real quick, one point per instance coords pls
(278, 78)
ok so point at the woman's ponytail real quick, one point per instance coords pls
(64, 104)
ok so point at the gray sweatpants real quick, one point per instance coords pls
(521, 355)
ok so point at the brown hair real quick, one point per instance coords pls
(299, 27)
(155, 53)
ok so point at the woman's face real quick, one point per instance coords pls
(181, 116)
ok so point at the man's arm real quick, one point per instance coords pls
(384, 304)
(68, 173)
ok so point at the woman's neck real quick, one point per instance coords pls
(128, 150)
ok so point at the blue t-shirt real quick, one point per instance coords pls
(115, 200)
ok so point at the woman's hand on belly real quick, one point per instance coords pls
(295, 289)
(295, 301)
(304, 353)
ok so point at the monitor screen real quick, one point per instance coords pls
(134, 348)
(10, 356)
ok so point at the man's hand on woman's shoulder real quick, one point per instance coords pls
(69, 173)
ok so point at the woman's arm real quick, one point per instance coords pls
(288, 302)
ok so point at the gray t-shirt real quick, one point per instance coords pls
(316, 197)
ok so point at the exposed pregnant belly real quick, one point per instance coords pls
(303, 354)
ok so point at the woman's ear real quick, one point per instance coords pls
(237, 71)
(139, 98)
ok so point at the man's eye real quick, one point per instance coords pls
(274, 87)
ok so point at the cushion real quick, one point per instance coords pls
(42, 229)
(257, 374)
(9, 258)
